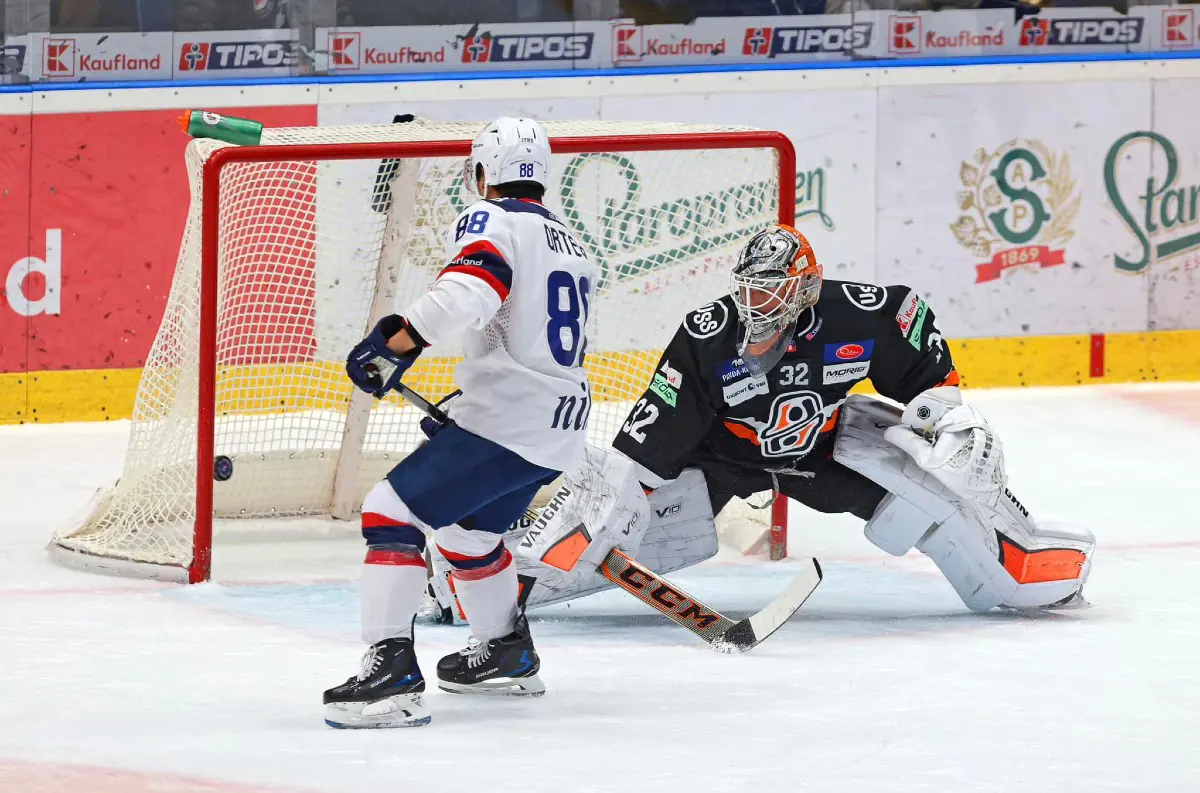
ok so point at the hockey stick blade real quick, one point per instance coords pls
(713, 627)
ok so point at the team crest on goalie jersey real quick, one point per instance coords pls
(796, 420)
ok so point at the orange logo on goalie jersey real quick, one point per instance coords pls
(797, 419)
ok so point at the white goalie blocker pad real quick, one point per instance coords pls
(592, 510)
(988, 548)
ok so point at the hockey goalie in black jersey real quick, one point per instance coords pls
(753, 394)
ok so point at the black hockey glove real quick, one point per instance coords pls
(372, 366)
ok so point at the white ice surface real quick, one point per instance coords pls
(883, 682)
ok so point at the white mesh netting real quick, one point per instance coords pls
(310, 253)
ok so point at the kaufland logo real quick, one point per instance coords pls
(908, 38)
(345, 51)
(905, 35)
(811, 40)
(58, 57)
(62, 58)
(198, 56)
(1080, 31)
(1179, 27)
(484, 47)
(629, 45)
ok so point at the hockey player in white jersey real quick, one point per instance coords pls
(516, 288)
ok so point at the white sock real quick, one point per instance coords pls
(392, 586)
(488, 597)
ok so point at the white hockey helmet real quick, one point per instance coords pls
(510, 150)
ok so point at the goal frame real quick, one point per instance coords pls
(200, 568)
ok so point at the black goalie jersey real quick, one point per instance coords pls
(703, 404)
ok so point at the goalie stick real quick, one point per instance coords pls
(714, 628)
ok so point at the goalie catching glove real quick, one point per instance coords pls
(373, 366)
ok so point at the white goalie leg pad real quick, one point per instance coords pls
(679, 532)
(993, 555)
(598, 507)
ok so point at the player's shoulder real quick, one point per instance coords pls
(711, 322)
(892, 302)
(517, 207)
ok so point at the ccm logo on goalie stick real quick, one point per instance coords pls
(668, 597)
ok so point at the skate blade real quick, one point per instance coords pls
(500, 687)
(402, 710)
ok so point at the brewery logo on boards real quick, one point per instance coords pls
(1018, 203)
(633, 222)
(1159, 210)
(630, 235)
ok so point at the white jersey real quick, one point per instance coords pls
(519, 283)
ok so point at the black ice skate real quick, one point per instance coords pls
(506, 666)
(385, 693)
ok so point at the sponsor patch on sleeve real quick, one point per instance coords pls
(868, 297)
(849, 352)
(706, 321)
(663, 390)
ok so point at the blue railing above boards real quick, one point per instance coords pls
(335, 43)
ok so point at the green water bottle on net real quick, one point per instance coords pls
(231, 129)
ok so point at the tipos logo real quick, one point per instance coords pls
(1018, 203)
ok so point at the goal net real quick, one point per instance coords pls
(294, 248)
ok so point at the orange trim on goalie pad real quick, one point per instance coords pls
(1035, 567)
(566, 552)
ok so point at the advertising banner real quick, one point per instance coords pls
(106, 197)
(1169, 28)
(710, 40)
(24, 288)
(1159, 214)
(480, 47)
(1002, 214)
(80, 57)
(941, 34)
(212, 55)
(1098, 29)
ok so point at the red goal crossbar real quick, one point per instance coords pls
(201, 565)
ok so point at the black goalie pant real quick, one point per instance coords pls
(816, 481)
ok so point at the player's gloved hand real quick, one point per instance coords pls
(372, 366)
(953, 442)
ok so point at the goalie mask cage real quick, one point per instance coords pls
(294, 248)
